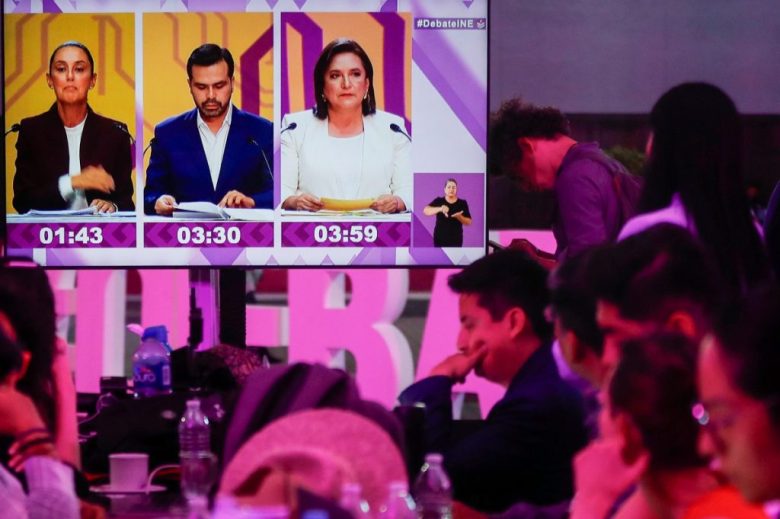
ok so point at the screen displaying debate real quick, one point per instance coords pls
(271, 133)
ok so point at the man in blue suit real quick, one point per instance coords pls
(216, 152)
(522, 451)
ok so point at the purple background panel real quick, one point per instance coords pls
(253, 234)
(389, 234)
(28, 235)
(428, 186)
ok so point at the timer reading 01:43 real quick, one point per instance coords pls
(338, 234)
(62, 236)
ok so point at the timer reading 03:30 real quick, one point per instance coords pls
(203, 236)
(338, 234)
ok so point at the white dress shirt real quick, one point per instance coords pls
(214, 143)
(75, 197)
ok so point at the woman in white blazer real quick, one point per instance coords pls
(345, 148)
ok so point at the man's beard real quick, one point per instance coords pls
(216, 111)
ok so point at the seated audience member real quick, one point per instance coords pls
(740, 396)
(694, 179)
(595, 194)
(49, 483)
(647, 413)
(660, 279)
(573, 313)
(27, 312)
(524, 448)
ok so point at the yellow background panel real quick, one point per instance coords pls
(29, 41)
(170, 38)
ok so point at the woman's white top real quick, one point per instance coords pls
(373, 163)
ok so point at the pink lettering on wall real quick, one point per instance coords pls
(322, 324)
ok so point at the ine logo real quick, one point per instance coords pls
(478, 24)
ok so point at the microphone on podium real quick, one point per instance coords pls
(121, 127)
(151, 143)
(252, 141)
(16, 127)
(290, 126)
(398, 129)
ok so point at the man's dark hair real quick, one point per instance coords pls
(507, 279)
(655, 383)
(73, 43)
(331, 50)
(573, 301)
(517, 119)
(209, 54)
(748, 334)
(651, 274)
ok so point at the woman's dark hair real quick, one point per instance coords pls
(451, 180)
(517, 119)
(748, 334)
(10, 356)
(28, 302)
(73, 43)
(340, 46)
(697, 152)
(655, 384)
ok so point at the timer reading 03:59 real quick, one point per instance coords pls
(338, 234)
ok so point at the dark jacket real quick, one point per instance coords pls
(42, 158)
(524, 448)
(178, 165)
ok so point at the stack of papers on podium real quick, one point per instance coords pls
(209, 211)
(62, 212)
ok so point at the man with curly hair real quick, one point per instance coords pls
(595, 194)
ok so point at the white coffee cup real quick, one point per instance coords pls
(128, 470)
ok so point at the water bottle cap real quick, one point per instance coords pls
(315, 514)
(159, 332)
(433, 457)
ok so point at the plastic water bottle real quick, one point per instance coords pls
(152, 364)
(198, 464)
(352, 501)
(399, 504)
(432, 490)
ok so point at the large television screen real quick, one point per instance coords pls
(270, 133)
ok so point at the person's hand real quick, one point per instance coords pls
(445, 210)
(601, 476)
(236, 199)
(388, 204)
(165, 205)
(103, 206)
(459, 365)
(303, 202)
(95, 178)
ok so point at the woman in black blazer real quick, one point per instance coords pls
(97, 173)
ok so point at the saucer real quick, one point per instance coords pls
(107, 489)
